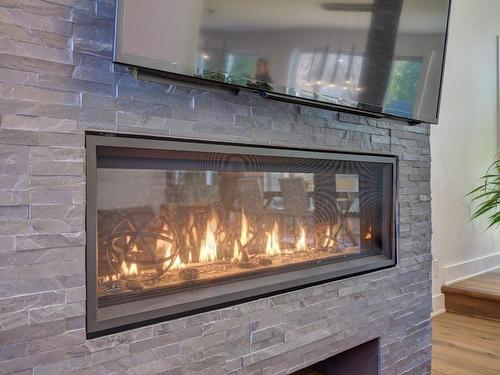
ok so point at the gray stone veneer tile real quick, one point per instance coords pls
(56, 81)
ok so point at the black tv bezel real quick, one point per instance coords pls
(361, 109)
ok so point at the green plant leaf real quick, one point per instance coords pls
(486, 196)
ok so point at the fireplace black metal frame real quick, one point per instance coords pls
(180, 303)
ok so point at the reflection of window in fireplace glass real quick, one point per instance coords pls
(164, 227)
(272, 183)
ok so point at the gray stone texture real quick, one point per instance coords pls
(56, 81)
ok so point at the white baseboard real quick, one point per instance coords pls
(469, 268)
(438, 305)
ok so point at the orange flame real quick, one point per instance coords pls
(129, 270)
(134, 248)
(177, 263)
(301, 243)
(124, 268)
(194, 233)
(368, 235)
(208, 250)
(165, 248)
(273, 246)
(327, 238)
(237, 256)
(132, 269)
(244, 228)
(236, 252)
(191, 235)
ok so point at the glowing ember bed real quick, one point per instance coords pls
(177, 227)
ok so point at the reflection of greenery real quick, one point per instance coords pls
(405, 80)
(236, 80)
(214, 76)
(259, 85)
(242, 68)
(222, 77)
(241, 72)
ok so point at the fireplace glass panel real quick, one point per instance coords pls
(170, 220)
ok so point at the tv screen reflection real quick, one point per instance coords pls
(382, 55)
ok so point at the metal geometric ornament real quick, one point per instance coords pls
(142, 251)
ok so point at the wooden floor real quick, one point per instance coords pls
(477, 296)
(464, 345)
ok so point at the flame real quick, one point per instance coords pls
(208, 250)
(195, 234)
(327, 240)
(129, 270)
(237, 256)
(132, 269)
(191, 234)
(134, 248)
(368, 235)
(244, 228)
(165, 248)
(177, 263)
(124, 268)
(273, 246)
(301, 243)
(193, 227)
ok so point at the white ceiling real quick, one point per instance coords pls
(418, 16)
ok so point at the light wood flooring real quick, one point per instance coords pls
(464, 345)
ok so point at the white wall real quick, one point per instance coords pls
(464, 144)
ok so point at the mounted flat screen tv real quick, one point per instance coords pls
(382, 57)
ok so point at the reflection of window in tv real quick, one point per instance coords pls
(404, 86)
(333, 74)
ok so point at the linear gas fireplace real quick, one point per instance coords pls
(176, 227)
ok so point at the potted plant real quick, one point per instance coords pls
(486, 196)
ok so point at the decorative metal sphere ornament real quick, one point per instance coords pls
(142, 250)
